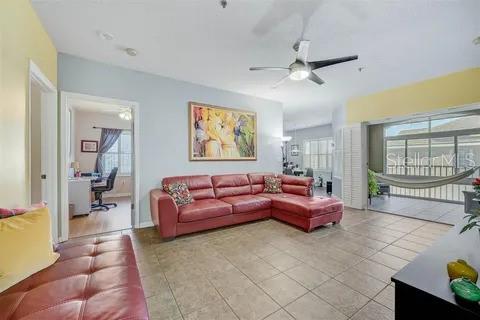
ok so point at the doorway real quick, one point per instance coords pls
(42, 143)
(99, 153)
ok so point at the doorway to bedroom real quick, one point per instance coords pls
(427, 164)
(99, 175)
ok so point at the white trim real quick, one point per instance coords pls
(49, 105)
(64, 105)
(37, 74)
(146, 224)
(462, 108)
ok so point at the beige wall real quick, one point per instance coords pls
(83, 130)
(22, 37)
(451, 90)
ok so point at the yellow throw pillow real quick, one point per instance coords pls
(25, 246)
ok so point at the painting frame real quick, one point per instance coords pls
(89, 146)
(191, 132)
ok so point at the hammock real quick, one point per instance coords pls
(422, 182)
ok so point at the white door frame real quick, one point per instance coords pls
(65, 98)
(49, 112)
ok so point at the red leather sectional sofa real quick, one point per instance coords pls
(95, 278)
(230, 199)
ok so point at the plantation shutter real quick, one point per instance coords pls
(354, 190)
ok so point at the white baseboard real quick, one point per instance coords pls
(117, 195)
(146, 224)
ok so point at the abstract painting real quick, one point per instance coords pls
(218, 133)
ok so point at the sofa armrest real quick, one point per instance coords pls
(164, 213)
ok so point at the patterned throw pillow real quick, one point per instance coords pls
(179, 193)
(273, 185)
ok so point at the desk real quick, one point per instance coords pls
(79, 190)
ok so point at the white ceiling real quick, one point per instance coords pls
(94, 106)
(398, 42)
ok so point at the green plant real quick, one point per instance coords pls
(472, 222)
(373, 187)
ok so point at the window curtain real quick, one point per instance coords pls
(107, 139)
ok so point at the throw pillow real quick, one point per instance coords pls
(26, 246)
(179, 192)
(273, 185)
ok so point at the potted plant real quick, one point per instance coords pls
(473, 218)
(373, 187)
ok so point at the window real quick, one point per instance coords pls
(406, 129)
(317, 154)
(119, 155)
(436, 147)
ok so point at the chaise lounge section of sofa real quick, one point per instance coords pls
(94, 278)
(224, 200)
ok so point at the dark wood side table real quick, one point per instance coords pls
(422, 288)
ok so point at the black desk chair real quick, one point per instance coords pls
(99, 190)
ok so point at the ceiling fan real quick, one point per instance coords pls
(302, 69)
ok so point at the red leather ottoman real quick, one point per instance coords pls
(306, 212)
(94, 278)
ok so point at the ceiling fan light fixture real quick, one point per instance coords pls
(125, 115)
(298, 75)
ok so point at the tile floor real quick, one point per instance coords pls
(437, 211)
(270, 270)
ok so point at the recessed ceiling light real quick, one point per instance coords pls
(131, 52)
(104, 35)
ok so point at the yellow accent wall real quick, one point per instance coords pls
(454, 89)
(22, 37)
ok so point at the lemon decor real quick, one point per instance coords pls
(460, 268)
(465, 289)
(26, 246)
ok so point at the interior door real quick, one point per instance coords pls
(44, 147)
(133, 173)
(36, 145)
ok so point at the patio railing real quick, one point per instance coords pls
(449, 192)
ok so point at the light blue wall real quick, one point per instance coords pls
(164, 120)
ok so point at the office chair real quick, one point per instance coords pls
(99, 190)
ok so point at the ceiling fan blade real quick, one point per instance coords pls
(313, 77)
(279, 82)
(302, 52)
(324, 63)
(268, 68)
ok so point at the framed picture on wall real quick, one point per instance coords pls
(89, 146)
(218, 133)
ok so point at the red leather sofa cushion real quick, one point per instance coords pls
(200, 186)
(257, 181)
(307, 206)
(94, 278)
(297, 185)
(248, 203)
(203, 209)
(228, 185)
